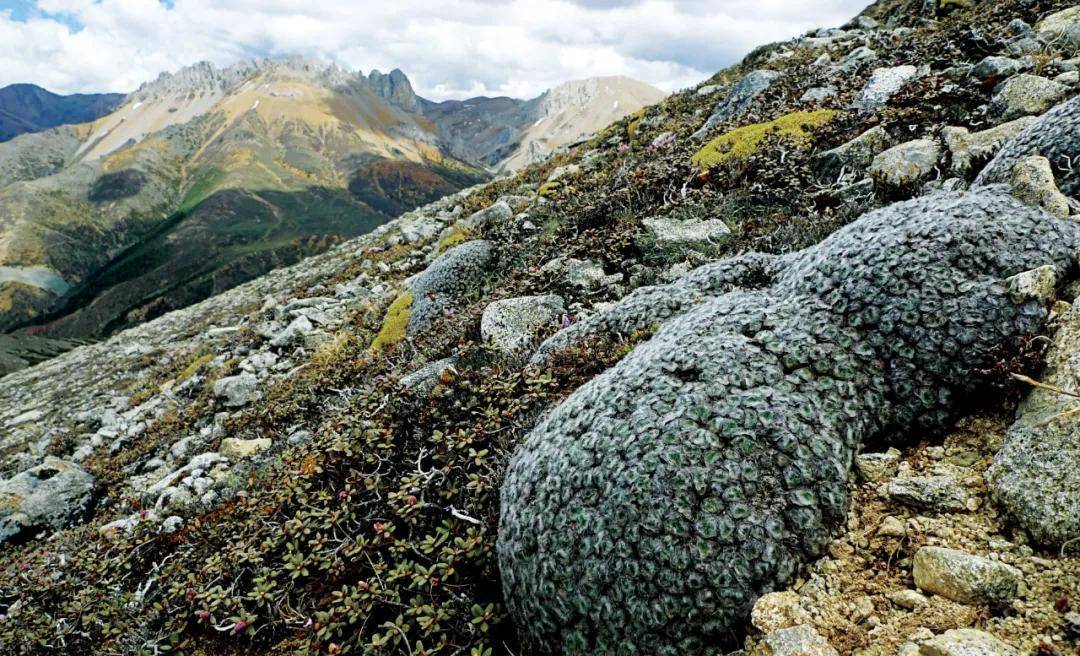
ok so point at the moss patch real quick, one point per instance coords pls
(395, 323)
(742, 142)
(457, 236)
(548, 189)
(194, 367)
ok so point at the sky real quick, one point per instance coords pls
(448, 48)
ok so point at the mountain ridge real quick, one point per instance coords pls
(239, 139)
(29, 108)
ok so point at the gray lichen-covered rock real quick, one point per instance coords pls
(647, 307)
(668, 237)
(906, 165)
(877, 467)
(1026, 95)
(496, 213)
(1039, 284)
(234, 447)
(237, 391)
(971, 150)
(966, 642)
(46, 496)
(1036, 475)
(739, 98)
(854, 60)
(1061, 30)
(996, 67)
(934, 493)
(1068, 78)
(1055, 135)
(964, 578)
(424, 379)
(297, 332)
(883, 85)
(512, 324)
(1033, 182)
(585, 275)
(453, 274)
(818, 94)
(646, 512)
(854, 157)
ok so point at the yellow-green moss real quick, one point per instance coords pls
(194, 367)
(742, 142)
(395, 323)
(457, 236)
(549, 188)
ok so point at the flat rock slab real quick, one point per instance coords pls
(965, 578)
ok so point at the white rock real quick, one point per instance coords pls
(882, 86)
(966, 642)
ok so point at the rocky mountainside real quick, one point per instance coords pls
(198, 181)
(784, 364)
(516, 133)
(208, 177)
(573, 111)
(29, 108)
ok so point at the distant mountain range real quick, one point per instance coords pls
(29, 108)
(207, 177)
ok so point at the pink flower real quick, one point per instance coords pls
(202, 614)
(239, 627)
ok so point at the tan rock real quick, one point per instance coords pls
(964, 578)
(777, 610)
(1033, 183)
(909, 599)
(877, 467)
(237, 448)
(966, 642)
(800, 640)
(891, 527)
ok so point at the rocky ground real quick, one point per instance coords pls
(312, 461)
(873, 595)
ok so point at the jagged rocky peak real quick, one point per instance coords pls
(204, 76)
(200, 76)
(395, 87)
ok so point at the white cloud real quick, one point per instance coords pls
(449, 48)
